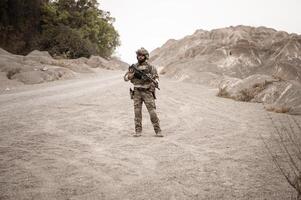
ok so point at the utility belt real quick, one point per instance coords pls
(141, 89)
(132, 92)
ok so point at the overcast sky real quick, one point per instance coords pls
(150, 23)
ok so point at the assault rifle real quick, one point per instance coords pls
(144, 76)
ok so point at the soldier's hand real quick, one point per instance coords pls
(131, 75)
(156, 82)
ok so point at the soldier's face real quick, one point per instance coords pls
(141, 58)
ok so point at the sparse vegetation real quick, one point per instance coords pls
(284, 147)
(246, 94)
(222, 92)
(277, 109)
(249, 93)
(258, 93)
(278, 77)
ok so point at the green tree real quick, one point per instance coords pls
(72, 28)
(19, 24)
(84, 22)
(66, 42)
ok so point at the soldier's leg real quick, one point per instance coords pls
(138, 111)
(151, 107)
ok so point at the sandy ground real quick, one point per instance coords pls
(72, 140)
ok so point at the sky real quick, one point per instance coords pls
(150, 23)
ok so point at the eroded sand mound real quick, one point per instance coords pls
(276, 94)
(39, 66)
(113, 63)
(240, 52)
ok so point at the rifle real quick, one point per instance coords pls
(145, 76)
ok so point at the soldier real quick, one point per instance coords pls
(144, 91)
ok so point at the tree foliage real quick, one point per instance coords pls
(19, 24)
(72, 28)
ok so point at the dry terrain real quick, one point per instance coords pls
(71, 139)
(242, 55)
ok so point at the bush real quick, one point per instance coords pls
(66, 42)
(222, 92)
(19, 24)
(70, 28)
(78, 28)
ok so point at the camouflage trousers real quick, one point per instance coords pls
(146, 97)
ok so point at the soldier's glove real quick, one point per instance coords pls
(130, 74)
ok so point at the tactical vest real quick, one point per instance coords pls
(147, 69)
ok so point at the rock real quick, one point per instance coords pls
(118, 64)
(277, 95)
(39, 66)
(112, 64)
(37, 53)
(35, 77)
(44, 68)
(4, 52)
(98, 62)
(41, 57)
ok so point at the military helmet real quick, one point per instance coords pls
(142, 51)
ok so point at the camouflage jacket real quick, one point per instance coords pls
(147, 69)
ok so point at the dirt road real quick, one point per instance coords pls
(72, 140)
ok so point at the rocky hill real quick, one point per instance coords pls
(209, 57)
(39, 66)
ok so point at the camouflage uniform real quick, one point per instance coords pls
(144, 92)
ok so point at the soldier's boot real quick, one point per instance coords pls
(137, 134)
(159, 134)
